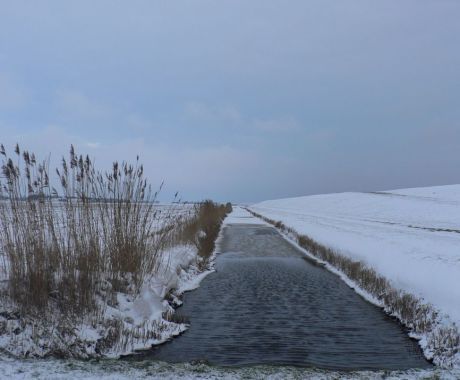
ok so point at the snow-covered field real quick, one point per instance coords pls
(410, 236)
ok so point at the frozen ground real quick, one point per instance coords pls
(411, 236)
(119, 370)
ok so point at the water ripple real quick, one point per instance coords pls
(267, 305)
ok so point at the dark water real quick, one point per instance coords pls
(266, 304)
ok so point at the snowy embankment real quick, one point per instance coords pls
(411, 237)
(128, 323)
(148, 318)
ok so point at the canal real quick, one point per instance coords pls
(267, 304)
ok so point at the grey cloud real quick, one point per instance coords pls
(260, 99)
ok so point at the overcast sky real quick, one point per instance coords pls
(240, 100)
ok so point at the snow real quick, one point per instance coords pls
(140, 317)
(52, 369)
(240, 215)
(178, 268)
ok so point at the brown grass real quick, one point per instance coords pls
(96, 233)
(203, 229)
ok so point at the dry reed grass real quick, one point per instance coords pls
(98, 232)
(69, 244)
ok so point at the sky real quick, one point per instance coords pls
(239, 100)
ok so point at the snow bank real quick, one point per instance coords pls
(143, 316)
(129, 323)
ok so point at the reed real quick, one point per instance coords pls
(202, 229)
(85, 234)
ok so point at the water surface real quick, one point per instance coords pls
(267, 304)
